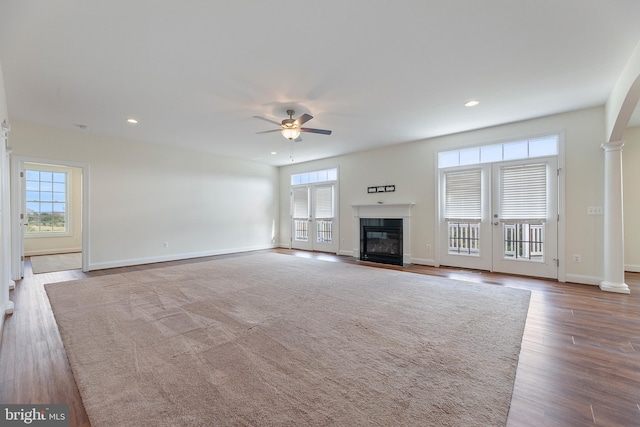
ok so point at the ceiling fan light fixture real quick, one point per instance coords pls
(290, 133)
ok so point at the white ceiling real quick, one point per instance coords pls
(376, 72)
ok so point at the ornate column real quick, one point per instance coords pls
(613, 220)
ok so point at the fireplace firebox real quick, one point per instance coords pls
(381, 240)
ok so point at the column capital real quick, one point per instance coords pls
(612, 145)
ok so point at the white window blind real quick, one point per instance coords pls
(523, 192)
(301, 203)
(324, 201)
(463, 195)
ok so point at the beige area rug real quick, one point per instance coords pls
(276, 340)
(59, 262)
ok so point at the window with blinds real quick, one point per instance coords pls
(301, 203)
(463, 195)
(324, 210)
(463, 210)
(523, 192)
(300, 213)
(523, 210)
(324, 201)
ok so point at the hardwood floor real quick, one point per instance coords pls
(579, 364)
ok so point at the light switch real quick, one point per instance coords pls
(595, 210)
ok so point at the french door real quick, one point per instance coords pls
(501, 217)
(314, 225)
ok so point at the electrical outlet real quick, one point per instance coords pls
(428, 247)
(577, 258)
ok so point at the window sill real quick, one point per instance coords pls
(47, 235)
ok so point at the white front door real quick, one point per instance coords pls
(501, 217)
(314, 224)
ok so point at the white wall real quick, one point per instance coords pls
(631, 178)
(72, 241)
(411, 168)
(142, 195)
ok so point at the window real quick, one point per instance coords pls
(523, 207)
(46, 202)
(525, 149)
(324, 213)
(301, 214)
(313, 177)
(463, 210)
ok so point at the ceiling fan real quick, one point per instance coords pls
(290, 128)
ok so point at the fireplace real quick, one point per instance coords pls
(381, 240)
(400, 212)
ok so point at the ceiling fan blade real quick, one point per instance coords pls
(302, 119)
(269, 131)
(268, 120)
(298, 139)
(311, 130)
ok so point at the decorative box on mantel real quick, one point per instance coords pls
(384, 211)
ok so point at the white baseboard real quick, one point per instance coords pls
(585, 280)
(346, 253)
(632, 268)
(424, 261)
(53, 252)
(4, 312)
(173, 257)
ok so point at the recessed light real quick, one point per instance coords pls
(132, 121)
(274, 153)
(471, 103)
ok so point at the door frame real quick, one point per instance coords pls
(562, 269)
(17, 205)
(311, 245)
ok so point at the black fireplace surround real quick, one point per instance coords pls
(381, 240)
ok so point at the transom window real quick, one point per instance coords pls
(46, 202)
(313, 177)
(514, 150)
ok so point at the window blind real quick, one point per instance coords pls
(324, 201)
(523, 192)
(463, 195)
(301, 203)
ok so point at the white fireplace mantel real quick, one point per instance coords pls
(381, 210)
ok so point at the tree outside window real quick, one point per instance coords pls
(46, 202)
